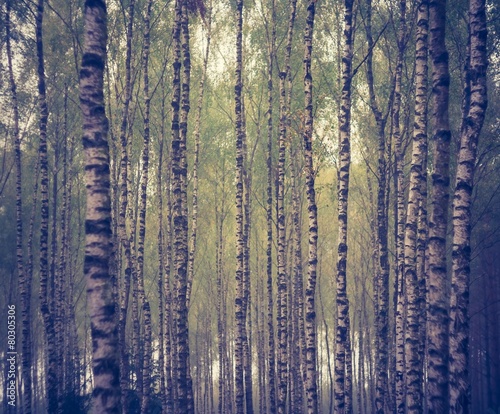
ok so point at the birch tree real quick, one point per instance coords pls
(342, 302)
(437, 295)
(414, 291)
(476, 102)
(100, 303)
(310, 313)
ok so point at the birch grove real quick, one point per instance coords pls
(250, 207)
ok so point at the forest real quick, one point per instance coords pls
(250, 206)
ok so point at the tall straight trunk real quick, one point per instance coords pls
(310, 313)
(167, 292)
(164, 254)
(55, 276)
(381, 281)
(220, 347)
(261, 372)
(342, 302)
(422, 266)
(298, 289)
(180, 104)
(349, 379)
(240, 316)
(63, 288)
(161, 282)
(146, 368)
(414, 293)
(62, 265)
(282, 308)
(221, 337)
(269, 215)
(297, 339)
(122, 212)
(27, 404)
(51, 381)
(476, 103)
(183, 281)
(247, 210)
(400, 287)
(196, 134)
(104, 328)
(24, 278)
(437, 293)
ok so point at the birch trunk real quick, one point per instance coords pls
(476, 103)
(413, 363)
(196, 133)
(282, 317)
(381, 281)
(240, 319)
(400, 218)
(100, 304)
(146, 368)
(180, 104)
(310, 312)
(298, 288)
(44, 220)
(122, 212)
(342, 302)
(24, 278)
(437, 294)
(269, 215)
(247, 209)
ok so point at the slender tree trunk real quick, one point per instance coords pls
(476, 103)
(381, 281)
(146, 374)
(247, 209)
(422, 273)
(413, 366)
(63, 288)
(282, 308)
(437, 294)
(51, 382)
(55, 276)
(298, 289)
(240, 316)
(400, 316)
(219, 305)
(269, 214)
(349, 379)
(105, 365)
(342, 302)
(122, 213)
(180, 104)
(169, 321)
(24, 278)
(310, 313)
(161, 282)
(27, 404)
(196, 133)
